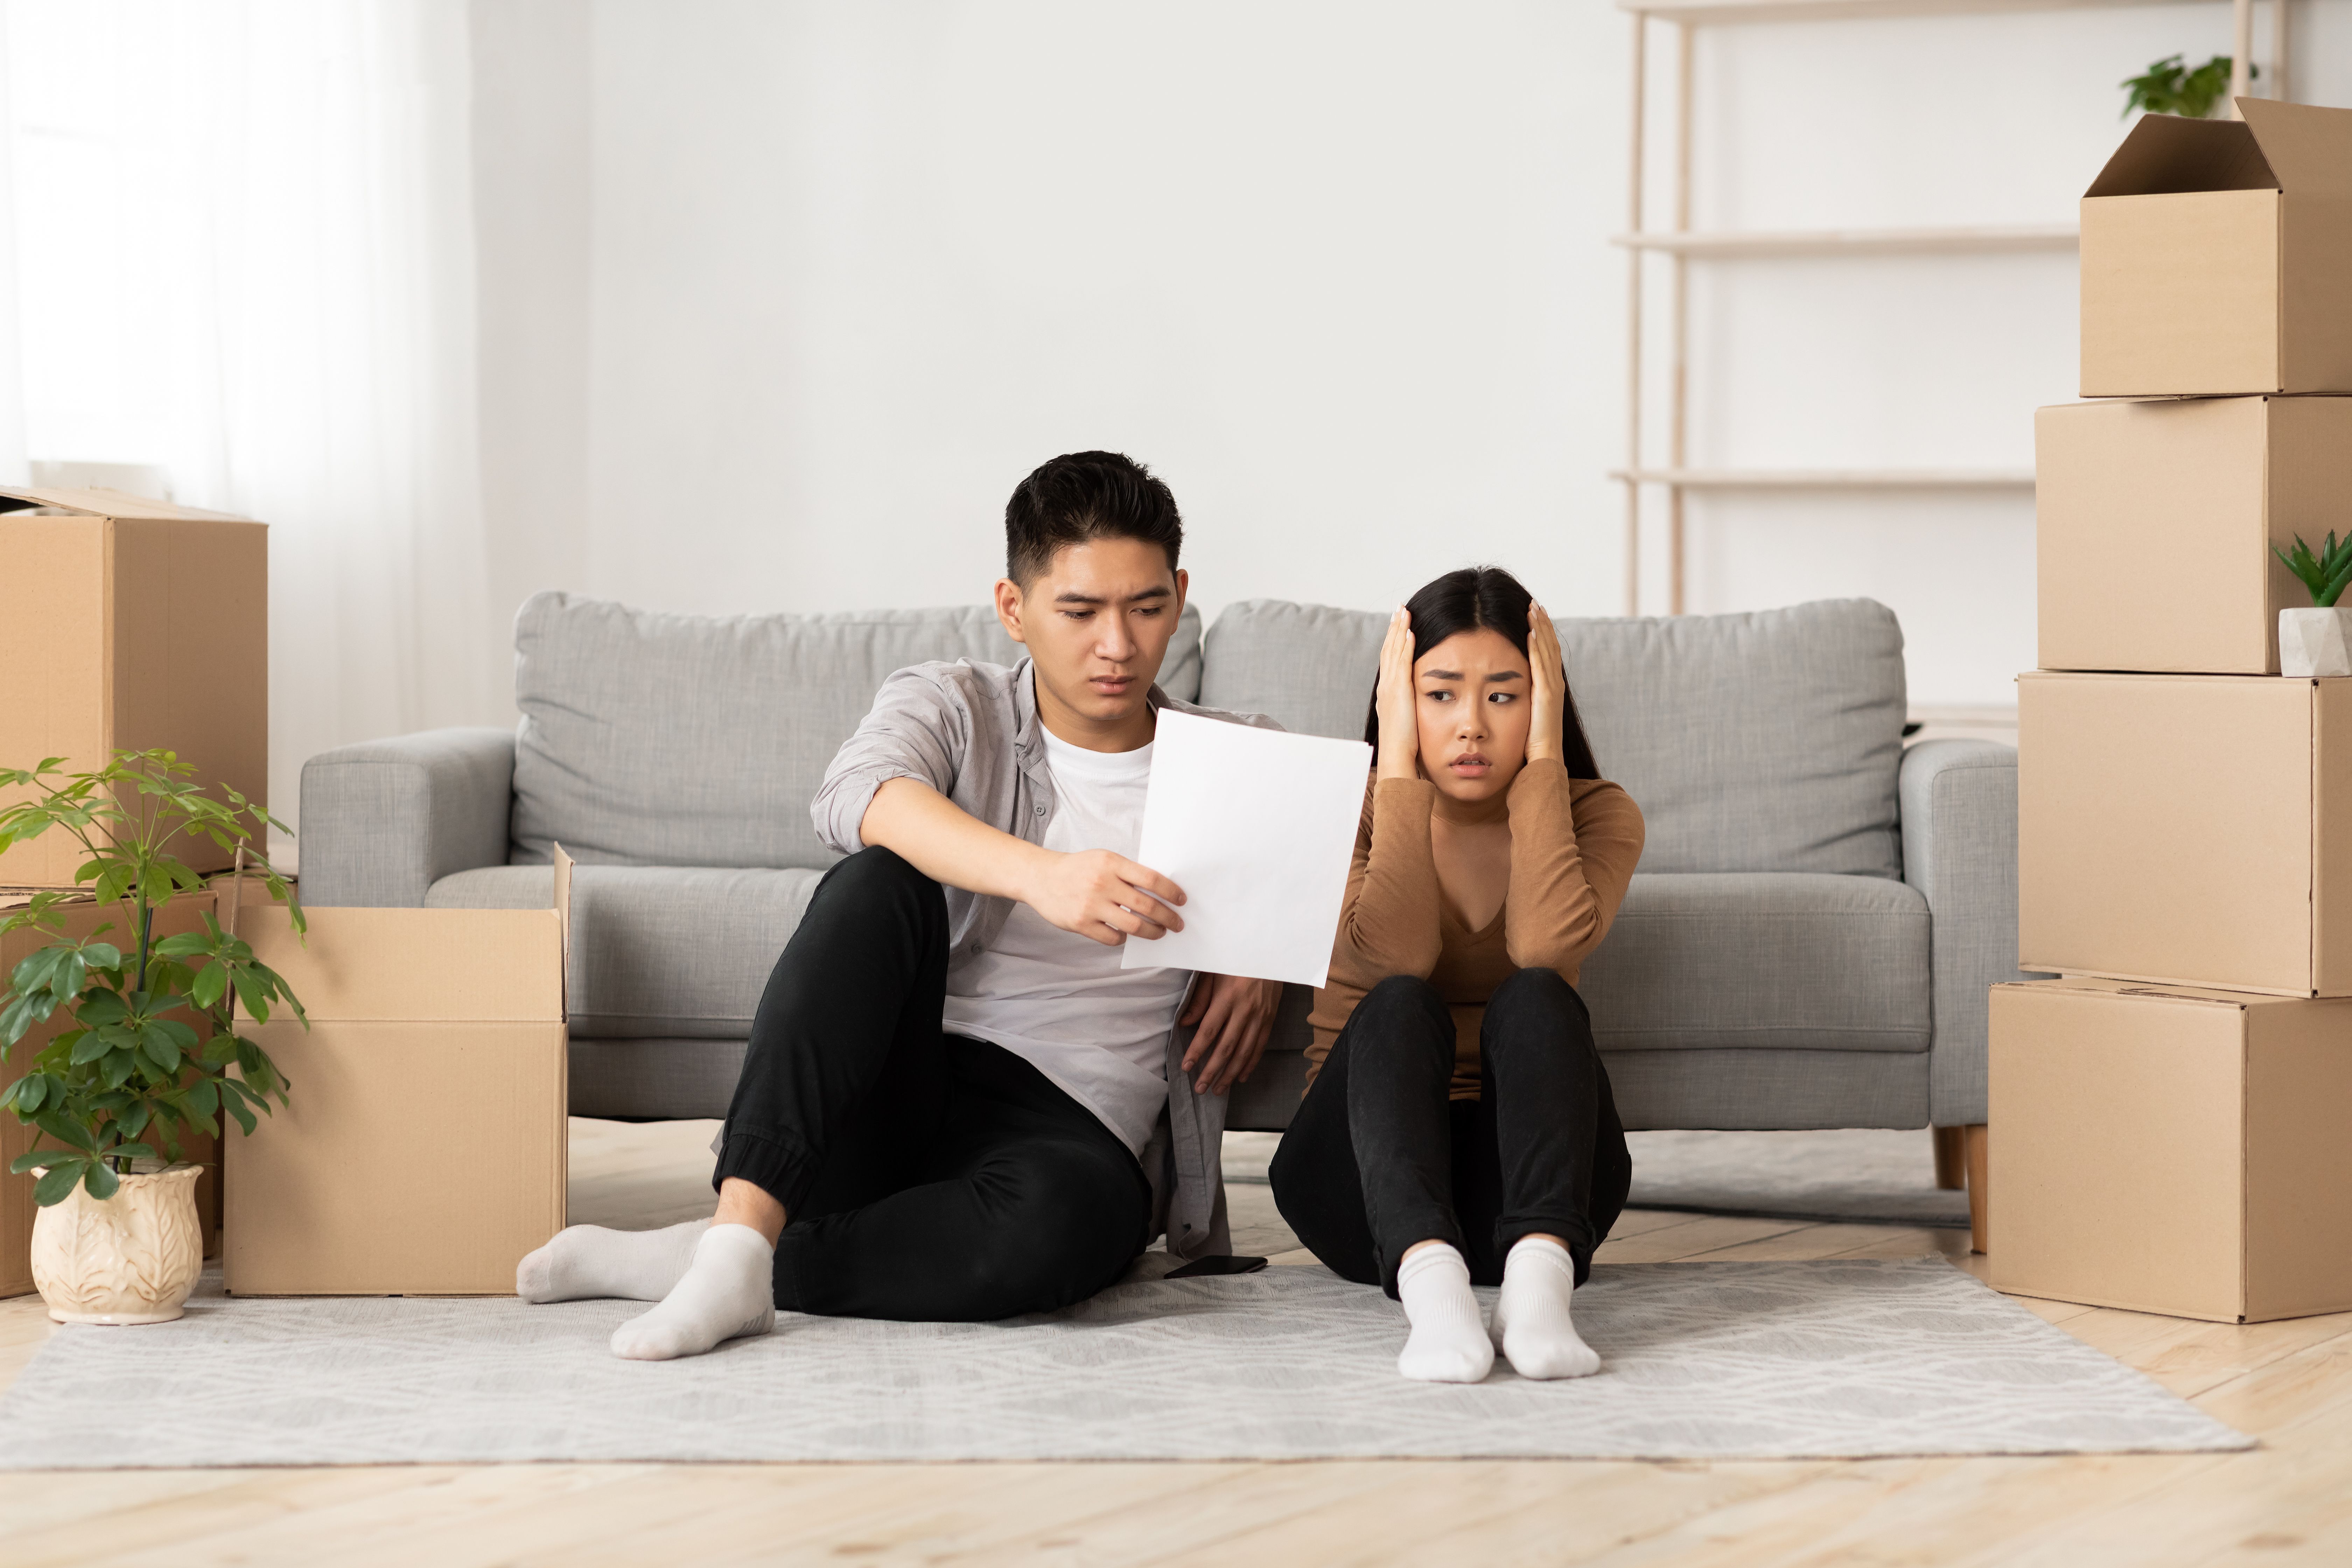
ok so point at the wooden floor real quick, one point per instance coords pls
(2288, 1502)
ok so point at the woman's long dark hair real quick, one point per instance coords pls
(1484, 598)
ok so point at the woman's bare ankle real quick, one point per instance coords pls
(748, 1204)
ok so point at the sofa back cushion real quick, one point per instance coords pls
(663, 740)
(1762, 742)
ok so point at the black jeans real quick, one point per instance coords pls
(1377, 1160)
(926, 1176)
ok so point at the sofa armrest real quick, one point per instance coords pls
(1959, 800)
(384, 820)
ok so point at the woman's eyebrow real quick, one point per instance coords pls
(1440, 674)
(1507, 674)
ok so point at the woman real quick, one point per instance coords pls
(1458, 1125)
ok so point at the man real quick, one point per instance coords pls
(960, 1107)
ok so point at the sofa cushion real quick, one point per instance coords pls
(662, 739)
(1763, 742)
(681, 952)
(1309, 668)
(1783, 961)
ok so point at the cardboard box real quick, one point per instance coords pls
(135, 625)
(2154, 521)
(2187, 829)
(184, 913)
(424, 1152)
(2171, 1150)
(2214, 256)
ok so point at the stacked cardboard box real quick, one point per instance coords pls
(2166, 1117)
(133, 625)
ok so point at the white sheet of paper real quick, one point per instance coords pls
(1257, 826)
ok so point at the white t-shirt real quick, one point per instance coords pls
(1060, 1002)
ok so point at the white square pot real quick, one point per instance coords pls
(2315, 642)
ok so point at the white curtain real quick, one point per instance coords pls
(243, 258)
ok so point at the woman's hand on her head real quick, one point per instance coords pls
(1400, 754)
(1551, 681)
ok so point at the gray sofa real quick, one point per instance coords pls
(1808, 943)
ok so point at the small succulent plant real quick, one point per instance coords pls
(2326, 574)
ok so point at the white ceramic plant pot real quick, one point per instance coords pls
(2315, 642)
(130, 1258)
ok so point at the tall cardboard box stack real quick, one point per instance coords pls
(2167, 1117)
(131, 625)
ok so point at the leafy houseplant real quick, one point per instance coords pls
(131, 1068)
(2168, 87)
(2318, 640)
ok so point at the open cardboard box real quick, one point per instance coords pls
(2154, 522)
(2170, 1150)
(424, 1151)
(2214, 256)
(80, 920)
(2187, 829)
(134, 626)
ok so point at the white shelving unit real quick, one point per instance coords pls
(1680, 246)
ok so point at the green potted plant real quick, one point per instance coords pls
(2317, 640)
(2170, 87)
(147, 1046)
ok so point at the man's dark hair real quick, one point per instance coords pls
(1082, 496)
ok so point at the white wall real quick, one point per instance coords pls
(857, 269)
(1907, 361)
(821, 282)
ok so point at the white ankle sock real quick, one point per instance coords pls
(1531, 1317)
(729, 1290)
(586, 1261)
(1448, 1342)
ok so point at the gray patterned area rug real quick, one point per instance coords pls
(1834, 1359)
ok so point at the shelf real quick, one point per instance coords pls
(1702, 12)
(1829, 479)
(1962, 241)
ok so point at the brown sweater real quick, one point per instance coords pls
(1574, 843)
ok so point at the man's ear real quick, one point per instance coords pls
(1008, 606)
(1183, 587)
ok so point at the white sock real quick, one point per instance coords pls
(1531, 1319)
(729, 1291)
(1448, 1342)
(587, 1262)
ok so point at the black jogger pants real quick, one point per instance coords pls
(925, 1176)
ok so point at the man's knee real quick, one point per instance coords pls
(875, 872)
(876, 883)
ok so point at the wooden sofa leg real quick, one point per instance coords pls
(1979, 1200)
(1951, 1158)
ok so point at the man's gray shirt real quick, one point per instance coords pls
(971, 733)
